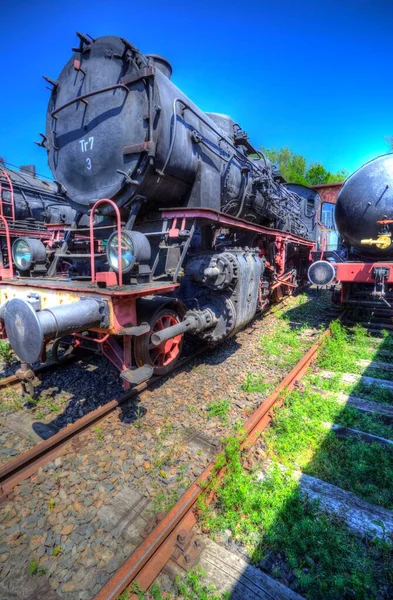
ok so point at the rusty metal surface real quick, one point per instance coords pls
(328, 191)
(27, 463)
(15, 380)
(156, 550)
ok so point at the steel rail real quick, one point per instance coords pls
(145, 564)
(14, 380)
(26, 464)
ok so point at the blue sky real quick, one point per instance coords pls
(316, 76)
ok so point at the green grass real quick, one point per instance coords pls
(341, 352)
(284, 347)
(220, 409)
(99, 433)
(189, 587)
(11, 399)
(327, 560)
(256, 384)
(299, 438)
(36, 569)
(57, 550)
(373, 391)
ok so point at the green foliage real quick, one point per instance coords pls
(294, 168)
(57, 550)
(255, 383)
(99, 434)
(189, 587)
(36, 569)
(326, 559)
(11, 399)
(165, 500)
(220, 409)
(7, 355)
(267, 511)
(299, 438)
(334, 353)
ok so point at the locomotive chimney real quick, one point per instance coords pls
(161, 63)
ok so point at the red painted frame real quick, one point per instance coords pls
(229, 221)
(360, 272)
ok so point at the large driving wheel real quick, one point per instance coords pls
(164, 357)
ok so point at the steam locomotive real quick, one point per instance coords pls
(191, 230)
(364, 218)
(29, 206)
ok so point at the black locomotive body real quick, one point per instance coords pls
(29, 207)
(26, 198)
(364, 218)
(205, 230)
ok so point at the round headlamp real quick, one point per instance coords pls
(26, 252)
(134, 248)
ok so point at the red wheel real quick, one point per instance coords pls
(163, 357)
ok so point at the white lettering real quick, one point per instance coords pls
(87, 144)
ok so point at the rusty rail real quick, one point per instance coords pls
(26, 464)
(145, 564)
(14, 380)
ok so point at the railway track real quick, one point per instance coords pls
(27, 463)
(169, 544)
(150, 558)
(172, 542)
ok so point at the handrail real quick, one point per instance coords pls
(9, 250)
(91, 222)
(12, 203)
(83, 98)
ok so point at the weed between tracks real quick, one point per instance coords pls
(288, 535)
(191, 587)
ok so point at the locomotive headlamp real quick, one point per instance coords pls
(27, 252)
(135, 249)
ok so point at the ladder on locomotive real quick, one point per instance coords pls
(6, 196)
(6, 200)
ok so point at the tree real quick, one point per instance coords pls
(294, 168)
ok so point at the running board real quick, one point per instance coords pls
(137, 376)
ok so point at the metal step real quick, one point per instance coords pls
(136, 330)
(137, 376)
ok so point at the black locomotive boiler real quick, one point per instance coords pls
(364, 218)
(191, 229)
